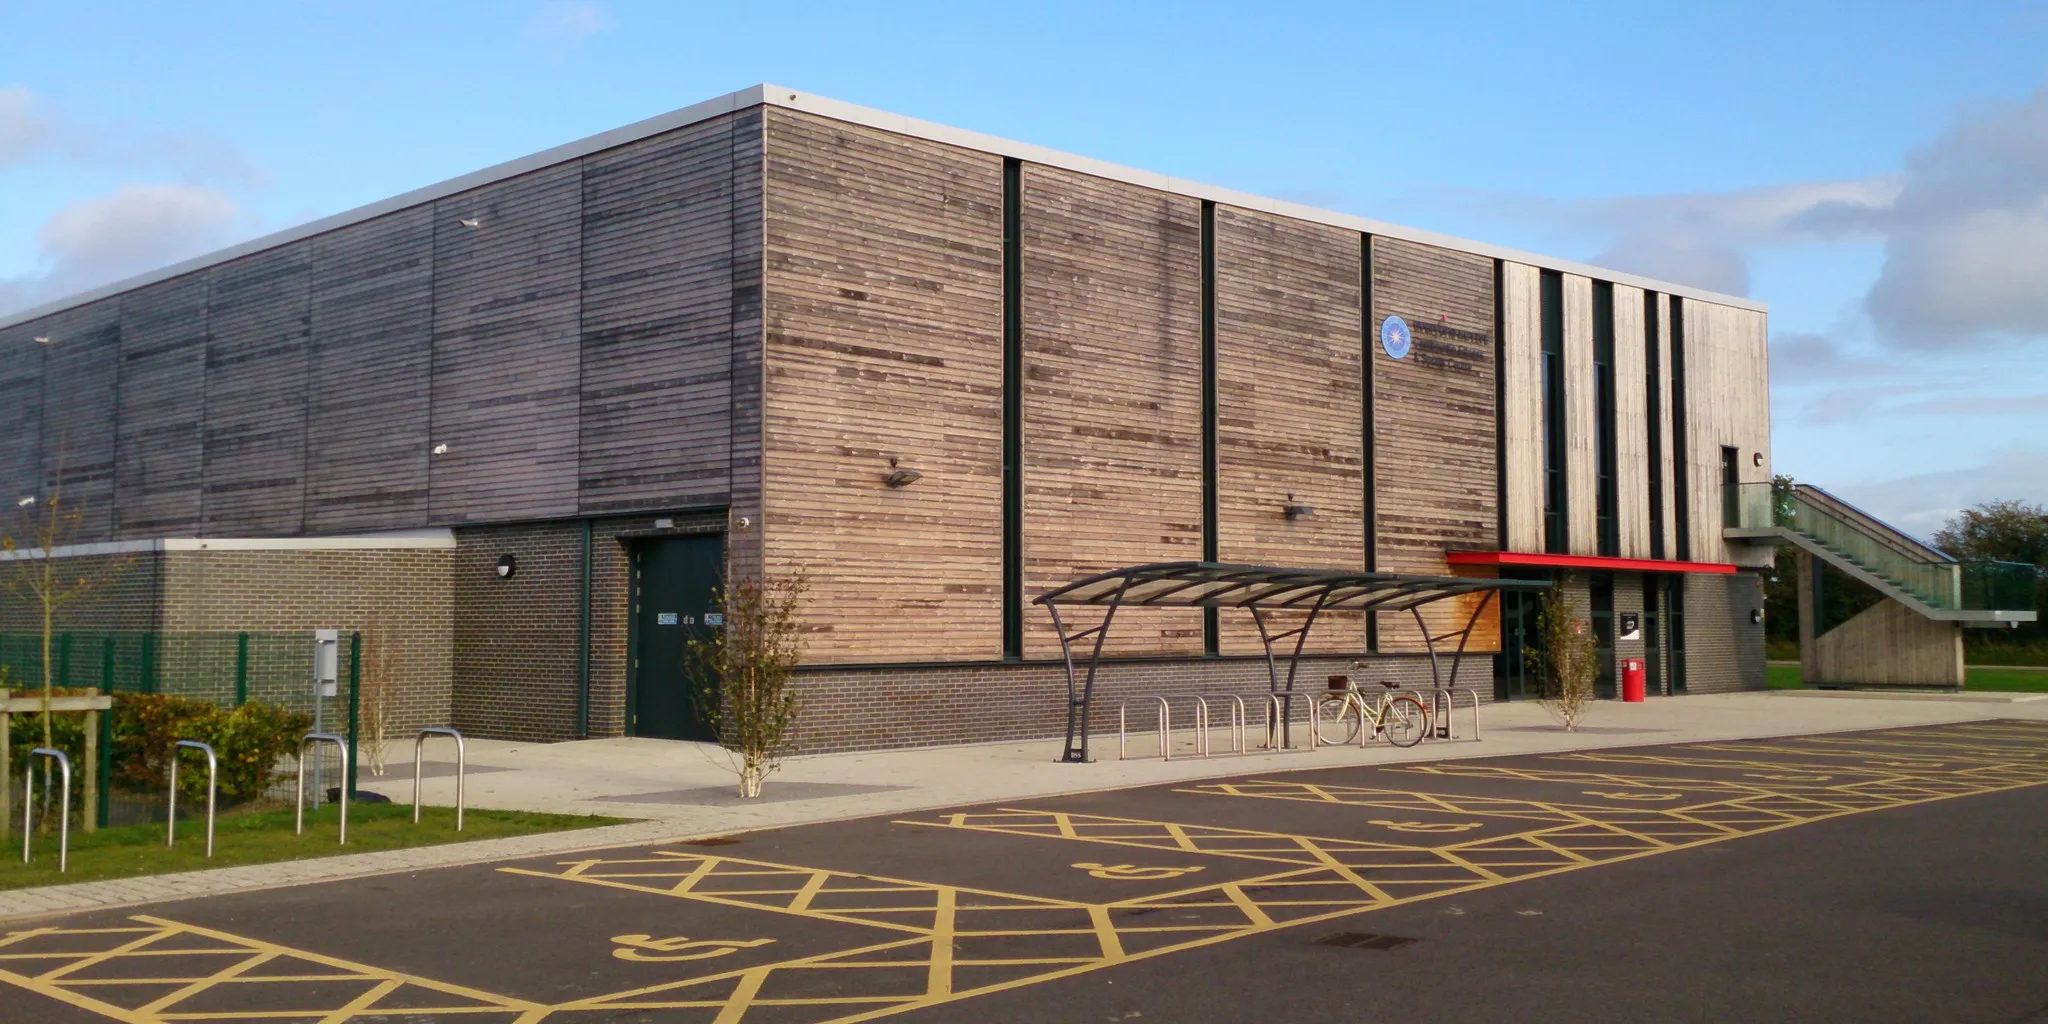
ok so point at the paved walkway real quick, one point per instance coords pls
(683, 790)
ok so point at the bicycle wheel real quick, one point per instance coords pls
(1404, 720)
(1342, 710)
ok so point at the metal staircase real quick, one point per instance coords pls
(1868, 549)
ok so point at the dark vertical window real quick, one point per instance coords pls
(1552, 296)
(1211, 630)
(1013, 409)
(1653, 372)
(1731, 487)
(1601, 585)
(1607, 519)
(1368, 332)
(1681, 501)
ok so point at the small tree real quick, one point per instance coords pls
(378, 698)
(743, 670)
(47, 523)
(1566, 658)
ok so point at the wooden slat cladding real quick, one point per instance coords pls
(1632, 435)
(744, 460)
(372, 312)
(1667, 446)
(1112, 396)
(163, 408)
(658, 284)
(1581, 422)
(1289, 407)
(1727, 394)
(885, 340)
(1522, 412)
(507, 297)
(256, 394)
(21, 409)
(1435, 476)
(81, 390)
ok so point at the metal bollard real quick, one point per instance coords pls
(299, 814)
(212, 790)
(28, 805)
(461, 769)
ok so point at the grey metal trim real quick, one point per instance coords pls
(838, 110)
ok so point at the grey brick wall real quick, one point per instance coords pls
(1724, 651)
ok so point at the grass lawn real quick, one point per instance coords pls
(1991, 680)
(262, 836)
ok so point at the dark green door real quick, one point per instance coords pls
(673, 582)
(1513, 679)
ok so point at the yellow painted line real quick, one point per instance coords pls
(742, 996)
(254, 959)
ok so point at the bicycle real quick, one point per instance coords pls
(1400, 717)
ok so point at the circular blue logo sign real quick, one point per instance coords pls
(1394, 337)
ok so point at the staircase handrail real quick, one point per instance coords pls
(1877, 529)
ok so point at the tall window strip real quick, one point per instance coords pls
(1013, 409)
(1681, 501)
(1607, 519)
(1368, 335)
(1500, 405)
(1212, 641)
(1653, 372)
(1554, 526)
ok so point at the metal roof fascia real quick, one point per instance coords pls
(839, 110)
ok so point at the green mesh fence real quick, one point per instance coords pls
(225, 669)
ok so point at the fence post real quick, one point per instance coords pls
(106, 766)
(149, 663)
(355, 679)
(89, 815)
(241, 669)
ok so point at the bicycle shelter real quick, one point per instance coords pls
(1258, 589)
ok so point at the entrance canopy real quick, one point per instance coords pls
(1259, 589)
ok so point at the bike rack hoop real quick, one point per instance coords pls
(212, 790)
(461, 768)
(299, 812)
(28, 804)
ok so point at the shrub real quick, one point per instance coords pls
(249, 741)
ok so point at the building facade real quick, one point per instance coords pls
(936, 373)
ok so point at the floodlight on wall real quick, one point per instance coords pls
(1296, 510)
(507, 565)
(900, 477)
(44, 339)
(471, 223)
(440, 449)
(26, 502)
(1756, 615)
(1756, 459)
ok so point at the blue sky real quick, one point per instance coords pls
(1877, 172)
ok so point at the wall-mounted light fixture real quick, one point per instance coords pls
(1756, 615)
(901, 477)
(44, 339)
(1756, 459)
(471, 223)
(1296, 510)
(440, 449)
(26, 502)
(507, 565)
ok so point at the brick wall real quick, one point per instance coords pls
(517, 641)
(869, 708)
(395, 596)
(1724, 651)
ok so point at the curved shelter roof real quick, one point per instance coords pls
(1218, 585)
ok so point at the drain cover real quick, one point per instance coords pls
(1364, 940)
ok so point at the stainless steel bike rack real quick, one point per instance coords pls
(1165, 727)
(299, 814)
(212, 789)
(1442, 702)
(461, 768)
(28, 805)
(1239, 743)
(1278, 708)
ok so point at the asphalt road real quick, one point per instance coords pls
(1889, 876)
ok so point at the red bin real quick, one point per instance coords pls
(1632, 680)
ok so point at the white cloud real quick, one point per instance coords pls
(134, 229)
(1920, 503)
(572, 20)
(32, 129)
